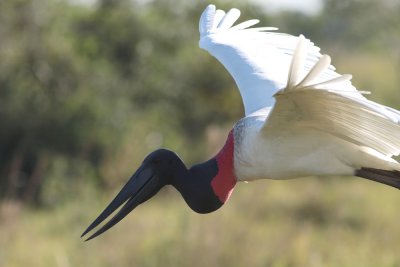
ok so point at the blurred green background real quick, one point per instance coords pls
(88, 89)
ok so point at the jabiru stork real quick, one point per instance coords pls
(301, 119)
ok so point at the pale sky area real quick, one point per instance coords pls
(306, 6)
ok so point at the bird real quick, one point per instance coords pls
(302, 119)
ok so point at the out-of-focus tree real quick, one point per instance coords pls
(51, 100)
(362, 24)
(75, 78)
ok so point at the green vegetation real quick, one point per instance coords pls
(86, 91)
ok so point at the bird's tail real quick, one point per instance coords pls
(391, 178)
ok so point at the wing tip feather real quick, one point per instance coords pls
(206, 19)
(297, 62)
(213, 19)
(309, 80)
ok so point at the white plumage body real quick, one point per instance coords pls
(292, 154)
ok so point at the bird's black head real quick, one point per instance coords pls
(205, 187)
(157, 170)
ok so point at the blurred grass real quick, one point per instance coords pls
(305, 222)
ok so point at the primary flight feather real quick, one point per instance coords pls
(302, 119)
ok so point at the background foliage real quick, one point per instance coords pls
(87, 90)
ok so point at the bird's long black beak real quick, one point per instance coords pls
(141, 186)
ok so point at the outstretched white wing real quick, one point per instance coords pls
(309, 102)
(257, 59)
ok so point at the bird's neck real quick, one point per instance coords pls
(225, 180)
(208, 185)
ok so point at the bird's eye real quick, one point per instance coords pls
(156, 161)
